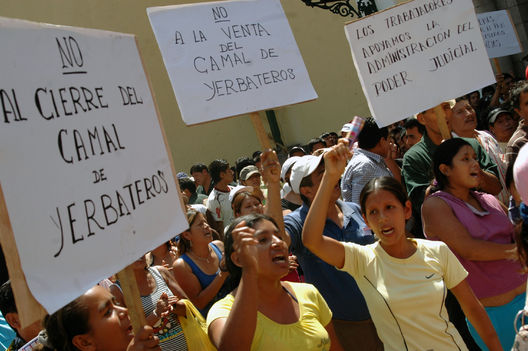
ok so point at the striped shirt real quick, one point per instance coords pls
(167, 329)
(363, 166)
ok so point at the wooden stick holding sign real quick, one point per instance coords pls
(441, 119)
(497, 65)
(128, 283)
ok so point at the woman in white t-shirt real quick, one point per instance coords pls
(403, 280)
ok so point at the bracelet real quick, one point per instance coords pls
(155, 314)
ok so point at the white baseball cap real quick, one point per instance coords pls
(303, 167)
(237, 189)
(287, 165)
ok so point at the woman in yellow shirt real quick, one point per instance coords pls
(264, 313)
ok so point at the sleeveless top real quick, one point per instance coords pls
(167, 329)
(486, 278)
(206, 279)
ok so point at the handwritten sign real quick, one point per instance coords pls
(416, 55)
(230, 58)
(498, 33)
(86, 176)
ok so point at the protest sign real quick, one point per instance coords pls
(230, 58)
(414, 56)
(87, 180)
(499, 34)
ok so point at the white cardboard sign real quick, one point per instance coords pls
(229, 58)
(412, 57)
(498, 33)
(86, 176)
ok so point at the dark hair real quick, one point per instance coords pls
(294, 149)
(235, 272)
(413, 123)
(239, 198)
(4, 276)
(256, 156)
(199, 167)
(508, 177)
(216, 167)
(488, 90)
(306, 181)
(63, 325)
(371, 134)
(187, 184)
(314, 142)
(444, 155)
(7, 299)
(521, 237)
(468, 95)
(382, 183)
(516, 91)
(242, 162)
(184, 245)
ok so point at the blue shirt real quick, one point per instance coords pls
(338, 288)
(6, 333)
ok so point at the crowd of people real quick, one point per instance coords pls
(401, 240)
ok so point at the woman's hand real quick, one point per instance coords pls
(244, 246)
(163, 306)
(292, 263)
(144, 341)
(271, 168)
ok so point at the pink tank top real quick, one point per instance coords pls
(486, 278)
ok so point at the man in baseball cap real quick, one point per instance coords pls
(351, 318)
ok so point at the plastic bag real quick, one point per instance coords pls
(195, 329)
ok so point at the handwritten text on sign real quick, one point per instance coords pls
(229, 58)
(498, 33)
(86, 177)
(416, 55)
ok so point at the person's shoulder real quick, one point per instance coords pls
(220, 308)
(219, 244)
(434, 202)
(351, 206)
(212, 195)
(415, 152)
(435, 245)
(302, 290)
(180, 264)
(294, 216)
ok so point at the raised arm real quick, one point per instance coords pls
(441, 223)
(271, 170)
(237, 330)
(328, 249)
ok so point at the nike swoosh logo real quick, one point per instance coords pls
(429, 276)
